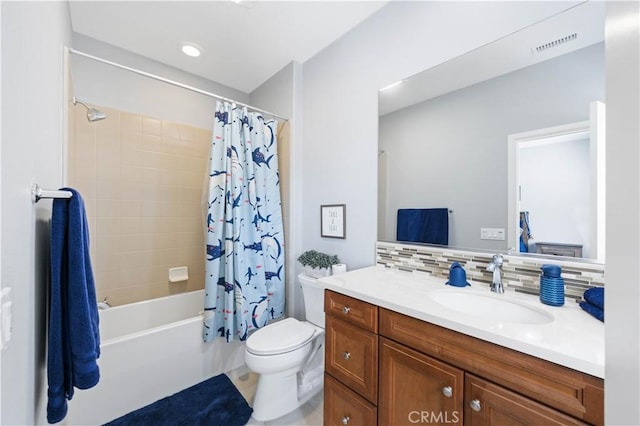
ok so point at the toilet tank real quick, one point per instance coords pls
(313, 295)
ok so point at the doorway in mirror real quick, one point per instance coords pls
(556, 180)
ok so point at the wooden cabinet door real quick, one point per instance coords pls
(351, 356)
(487, 404)
(342, 406)
(417, 389)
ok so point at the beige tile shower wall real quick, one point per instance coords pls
(142, 180)
(284, 171)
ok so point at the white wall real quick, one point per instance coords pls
(0, 204)
(341, 95)
(555, 180)
(282, 95)
(33, 36)
(622, 303)
(105, 85)
(277, 93)
(451, 151)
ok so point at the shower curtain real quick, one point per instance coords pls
(244, 284)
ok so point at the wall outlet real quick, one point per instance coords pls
(492, 234)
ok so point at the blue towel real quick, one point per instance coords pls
(595, 296)
(423, 226)
(74, 340)
(593, 310)
(525, 232)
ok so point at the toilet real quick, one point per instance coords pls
(288, 355)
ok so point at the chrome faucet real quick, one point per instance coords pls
(496, 267)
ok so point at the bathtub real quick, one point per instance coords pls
(150, 350)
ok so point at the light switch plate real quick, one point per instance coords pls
(492, 234)
(5, 317)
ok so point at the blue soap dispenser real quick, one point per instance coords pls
(552, 285)
(457, 276)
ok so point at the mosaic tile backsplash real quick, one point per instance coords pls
(520, 273)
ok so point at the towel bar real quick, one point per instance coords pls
(38, 193)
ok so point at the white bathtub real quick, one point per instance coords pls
(150, 350)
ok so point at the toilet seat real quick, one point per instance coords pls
(281, 337)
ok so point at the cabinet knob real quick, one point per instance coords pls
(447, 391)
(345, 420)
(475, 405)
(345, 310)
(346, 355)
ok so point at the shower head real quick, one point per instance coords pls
(93, 114)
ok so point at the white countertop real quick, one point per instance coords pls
(571, 338)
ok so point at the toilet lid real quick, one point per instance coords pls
(282, 336)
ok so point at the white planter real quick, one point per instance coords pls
(317, 272)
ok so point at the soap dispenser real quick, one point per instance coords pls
(457, 276)
(552, 285)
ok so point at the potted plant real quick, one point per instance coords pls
(317, 264)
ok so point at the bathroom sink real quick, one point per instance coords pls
(491, 307)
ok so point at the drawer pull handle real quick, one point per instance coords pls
(475, 405)
(345, 420)
(345, 310)
(447, 391)
(346, 355)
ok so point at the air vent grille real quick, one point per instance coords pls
(556, 43)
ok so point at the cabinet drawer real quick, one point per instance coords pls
(415, 388)
(572, 392)
(497, 406)
(344, 407)
(351, 356)
(351, 310)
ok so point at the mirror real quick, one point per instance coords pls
(444, 133)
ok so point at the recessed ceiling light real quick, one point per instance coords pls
(190, 49)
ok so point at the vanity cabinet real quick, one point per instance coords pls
(351, 361)
(408, 371)
(530, 385)
(559, 249)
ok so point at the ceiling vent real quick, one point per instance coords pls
(555, 43)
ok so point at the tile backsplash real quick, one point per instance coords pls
(520, 273)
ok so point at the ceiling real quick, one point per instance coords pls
(243, 44)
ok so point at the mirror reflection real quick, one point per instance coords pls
(470, 135)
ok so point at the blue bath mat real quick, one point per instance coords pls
(213, 402)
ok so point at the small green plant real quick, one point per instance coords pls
(316, 259)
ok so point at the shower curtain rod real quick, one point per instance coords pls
(172, 82)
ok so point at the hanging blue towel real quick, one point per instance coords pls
(595, 296)
(525, 232)
(74, 340)
(423, 226)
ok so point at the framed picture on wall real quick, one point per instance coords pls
(332, 221)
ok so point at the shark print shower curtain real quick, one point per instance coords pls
(244, 286)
